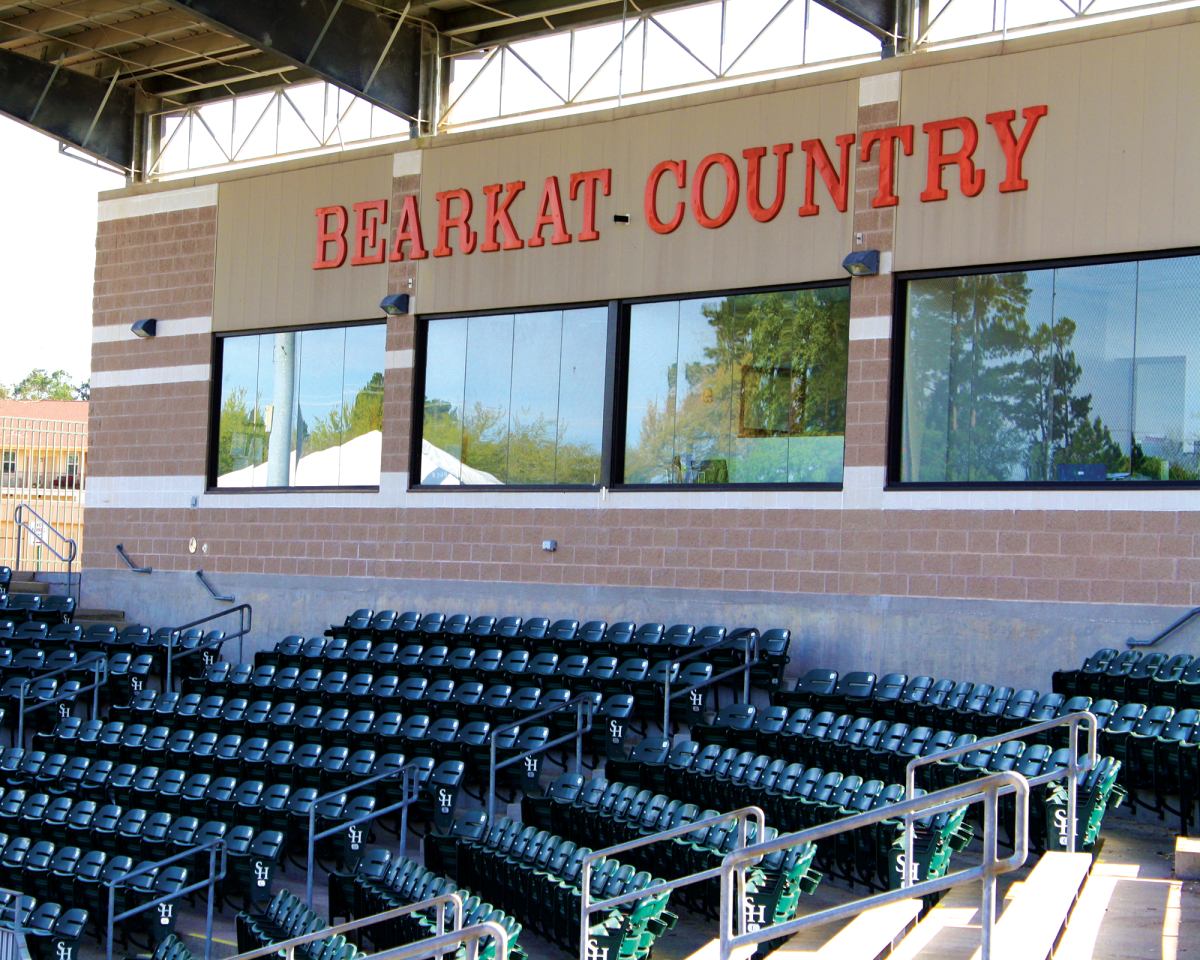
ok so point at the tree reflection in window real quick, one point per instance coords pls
(763, 398)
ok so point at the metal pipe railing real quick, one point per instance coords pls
(245, 622)
(129, 563)
(1162, 634)
(288, 947)
(69, 545)
(213, 879)
(405, 782)
(1071, 720)
(436, 946)
(582, 704)
(99, 664)
(988, 789)
(212, 590)
(749, 641)
(17, 926)
(586, 908)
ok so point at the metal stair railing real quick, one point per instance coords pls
(436, 946)
(210, 884)
(582, 704)
(129, 563)
(408, 775)
(748, 639)
(986, 789)
(99, 665)
(69, 545)
(288, 947)
(1072, 770)
(12, 931)
(245, 614)
(586, 907)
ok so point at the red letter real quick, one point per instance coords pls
(550, 213)
(886, 139)
(497, 216)
(679, 168)
(969, 179)
(732, 186)
(754, 162)
(589, 179)
(336, 236)
(1014, 150)
(466, 236)
(818, 159)
(366, 232)
(409, 228)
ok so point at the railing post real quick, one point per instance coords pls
(585, 911)
(1072, 777)
(21, 714)
(212, 895)
(170, 654)
(987, 907)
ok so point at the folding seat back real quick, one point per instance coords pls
(1154, 722)
(533, 629)
(1020, 704)
(1046, 707)
(859, 685)
(818, 682)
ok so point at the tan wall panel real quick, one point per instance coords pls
(1108, 167)
(631, 260)
(266, 240)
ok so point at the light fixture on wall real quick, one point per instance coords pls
(862, 263)
(395, 304)
(144, 328)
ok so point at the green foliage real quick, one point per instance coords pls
(348, 421)
(242, 436)
(40, 385)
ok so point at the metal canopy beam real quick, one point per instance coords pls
(335, 41)
(96, 116)
(877, 17)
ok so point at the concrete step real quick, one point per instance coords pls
(98, 616)
(869, 936)
(29, 586)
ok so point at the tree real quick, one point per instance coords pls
(40, 385)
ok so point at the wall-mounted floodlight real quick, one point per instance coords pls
(395, 304)
(862, 263)
(144, 328)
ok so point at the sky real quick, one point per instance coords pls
(47, 254)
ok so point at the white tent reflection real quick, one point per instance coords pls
(354, 463)
(442, 469)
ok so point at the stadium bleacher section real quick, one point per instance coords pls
(243, 752)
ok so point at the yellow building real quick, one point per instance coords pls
(43, 457)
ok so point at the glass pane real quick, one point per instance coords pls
(318, 415)
(362, 406)
(445, 384)
(487, 399)
(708, 337)
(1086, 359)
(245, 416)
(1166, 409)
(533, 418)
(820, 347)
(581, 395)
(650, 405)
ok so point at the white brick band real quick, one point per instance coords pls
(398, 360)
(161, 201)
(144, 376)
(870, 328)
(114, 332)
(881, 88)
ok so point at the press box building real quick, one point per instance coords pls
(629, 335)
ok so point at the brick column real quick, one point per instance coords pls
(401, 333)
(871, 297)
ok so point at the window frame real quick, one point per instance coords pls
(417, 424)
(612, 453)
(214, 407)
(895, 432)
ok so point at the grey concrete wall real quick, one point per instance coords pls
(1002, 642)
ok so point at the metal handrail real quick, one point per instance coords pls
(1131, 642)
(586, 908)
(211, 590)
(435, 946)
(288, 947)
(124, 556)
(98, 662)
(245, 622)
(20, 523)
(17, 926)
(751, 647)
(403, 805)
(213, 879)
(1072, 720)
(988, 789)
(583, 704)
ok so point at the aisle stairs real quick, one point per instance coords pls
(25, 581)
